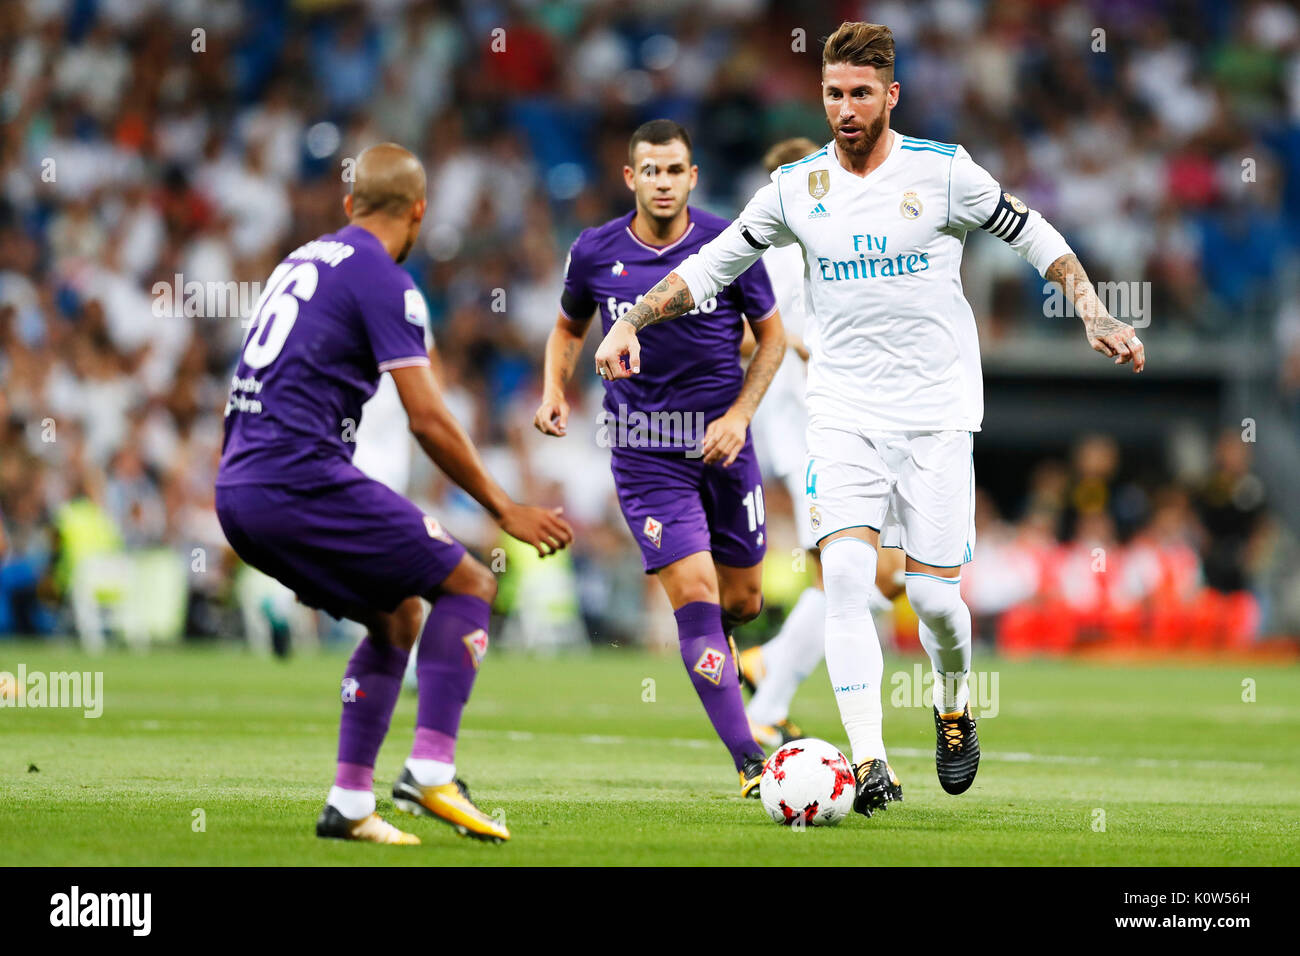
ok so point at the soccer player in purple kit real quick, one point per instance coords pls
(335, 315)
(692, 495)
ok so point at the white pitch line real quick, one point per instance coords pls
(1008, 756)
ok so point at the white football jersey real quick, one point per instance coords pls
(892, 337)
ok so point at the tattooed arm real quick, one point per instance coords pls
(668, 299)
(562, 350)
(725, 437)
(1106, 334)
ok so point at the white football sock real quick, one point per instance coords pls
(945, 632)
(790, 657)
(353, 804)
(853, 656)
(430, 773)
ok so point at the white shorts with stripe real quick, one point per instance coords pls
(917, 488)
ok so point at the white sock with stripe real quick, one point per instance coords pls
(853, 656)
(945, 631)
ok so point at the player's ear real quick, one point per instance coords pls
(629, 177)
(891, 95)
(347, 206)
(418, 209)
(695, 175)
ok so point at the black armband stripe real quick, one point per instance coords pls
(749, 238)
(575, 308)
(1007, 221)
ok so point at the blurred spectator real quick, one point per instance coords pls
(130, 162)
(1231, 506)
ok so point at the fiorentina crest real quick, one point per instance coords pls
(476, 642)
(710, 665)
(654, 530)
(434, 527)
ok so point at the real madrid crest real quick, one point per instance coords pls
(819, 183)
(1016, 204)
(910, 207)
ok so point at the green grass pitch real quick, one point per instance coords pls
(1083, 764)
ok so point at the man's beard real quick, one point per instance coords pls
(865, 143)
(662, 217)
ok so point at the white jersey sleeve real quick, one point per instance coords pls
(785, 269)
(721, 260)
(978, 202)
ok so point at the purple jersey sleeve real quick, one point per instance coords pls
(576, 301)
(395, 318)
(754, 290)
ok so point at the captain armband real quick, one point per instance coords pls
(1008, 218)
(749, 238)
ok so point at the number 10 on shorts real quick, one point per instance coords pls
(753, 503)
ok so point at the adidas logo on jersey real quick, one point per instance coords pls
(819, 212)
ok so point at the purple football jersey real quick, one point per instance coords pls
(690, 365)
(336, 314)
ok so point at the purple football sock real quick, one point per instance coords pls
(371, 684)
(451, 648)
(708, 662)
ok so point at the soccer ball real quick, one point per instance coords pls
(807, 782)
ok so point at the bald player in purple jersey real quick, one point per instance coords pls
(684, 466)
(336, 314)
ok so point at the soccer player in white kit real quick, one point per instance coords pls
(773, 671)
(895, 390)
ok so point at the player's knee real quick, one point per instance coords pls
(937, 601)
(484, 584)
(402, 627)
(890, 578)
(470, 578)
(848, 568)
(693, 590)
(745, 606)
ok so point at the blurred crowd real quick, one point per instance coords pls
(1097, 558)
(147, 145)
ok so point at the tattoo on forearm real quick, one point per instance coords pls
(762, 367)
(1068, 273)
(668, 299)
(561, 358)
(568, 360)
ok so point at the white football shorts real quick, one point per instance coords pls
(917, 488)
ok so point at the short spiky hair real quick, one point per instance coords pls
(862, 44)
(657, 133)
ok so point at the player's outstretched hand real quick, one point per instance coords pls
(543, 528)
(724, 438)
(620, 341)
(552, 416)
(1117, 339)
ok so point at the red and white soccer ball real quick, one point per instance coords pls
(807, 783)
